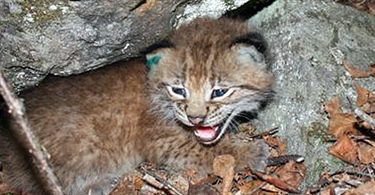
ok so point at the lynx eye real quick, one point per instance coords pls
(218, 93)
(177, 91)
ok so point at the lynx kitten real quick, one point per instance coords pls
(98, 126)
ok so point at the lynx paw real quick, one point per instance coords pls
(258, 156)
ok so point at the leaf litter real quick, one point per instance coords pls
(284, 174)
(354, 142)
(354, 135)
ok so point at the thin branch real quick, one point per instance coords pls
(268, 132)
(24, 133)
(354, 172)
(367, 118)
(156, 181)
(283, 159)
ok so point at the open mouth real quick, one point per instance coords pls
(208, 135)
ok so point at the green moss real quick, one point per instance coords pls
(38, 12)
(321, 165)
(229, 3)
(316, 138)
(316, 134)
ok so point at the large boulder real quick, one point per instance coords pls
(308, 41)
(69, 37)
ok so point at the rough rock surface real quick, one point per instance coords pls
(70, 37)
(308, 40)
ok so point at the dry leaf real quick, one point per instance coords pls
(202, 189)
(363, 95)
(333, 107)
(250, 186)
(340, 123)
(328, 190)
(278, 146)
(345, 149)
(292, 173)
(343, 124)
(366, 153)
(369, 109)
(367, 188)
(128, 185)
(276, 182)
(357, 73)
(224, 167)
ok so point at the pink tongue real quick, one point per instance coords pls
(205, 132)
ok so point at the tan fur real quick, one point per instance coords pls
(99, 125)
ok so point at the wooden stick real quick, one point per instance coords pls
(25, 134)
(268, 132)
(157, 181)
(365, 117)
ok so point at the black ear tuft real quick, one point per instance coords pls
(254, 39)
(165, 43)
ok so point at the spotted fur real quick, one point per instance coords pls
(98, 126)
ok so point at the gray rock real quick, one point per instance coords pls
(308, 40)
(70, 37)
(64, 38)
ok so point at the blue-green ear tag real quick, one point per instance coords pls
(153, 60)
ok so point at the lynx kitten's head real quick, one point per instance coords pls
(208, 72)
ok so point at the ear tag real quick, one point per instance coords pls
(153, 60)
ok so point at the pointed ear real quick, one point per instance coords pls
(252, 39)
(155, 52)
(248, 53)
(250, 49)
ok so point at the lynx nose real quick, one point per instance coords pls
(196, 120)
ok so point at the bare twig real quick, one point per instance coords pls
(365, 117)
(354, 172)
(24, 133)
(268, 132)
(157, 181)
(280, 160)
(276, 182)
(257, 189)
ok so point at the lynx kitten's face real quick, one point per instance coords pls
(205, 81)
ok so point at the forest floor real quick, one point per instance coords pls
(352, 135)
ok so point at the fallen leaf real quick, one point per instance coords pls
(345, 149)
(277, 182)
(343, 124)
(202, 189)
(224, 167)
(128, 185)
(292, 173)
(366, 153)
(278, 146)
(369, 109)
(340, 123)
(333, 107)
(328, 190)
(250, 187)
(357, 73)
(363, 95)
(367, 188)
